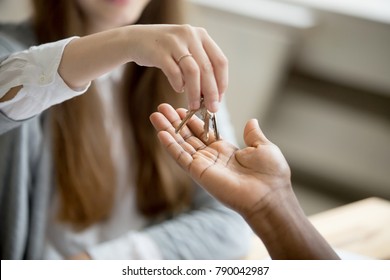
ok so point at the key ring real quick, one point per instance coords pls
(206, 115)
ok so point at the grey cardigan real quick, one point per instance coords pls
(209, 231)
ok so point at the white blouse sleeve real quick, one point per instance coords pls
(36, 69)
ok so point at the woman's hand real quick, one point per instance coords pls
(187, 55)
(241, 179)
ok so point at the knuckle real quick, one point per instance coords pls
(221, 61)
(206, 67)
(185, 30)
(172, 40)
(173, 71)
(202, 31)
(192, 70)
(169, 68)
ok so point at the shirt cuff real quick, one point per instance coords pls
(36, 66)
(36, 70)
(32, 100)
(131, 246)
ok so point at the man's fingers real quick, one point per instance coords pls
(195, 127)
(177, 152)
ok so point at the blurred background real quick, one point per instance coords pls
(316, 73)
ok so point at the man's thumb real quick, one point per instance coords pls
(253, 135)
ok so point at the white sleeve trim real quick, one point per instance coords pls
(36, 69)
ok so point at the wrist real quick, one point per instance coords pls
(275, 212)
(130, 42)
(126, 43)
(286, 231)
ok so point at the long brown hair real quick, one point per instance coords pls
(85, 173)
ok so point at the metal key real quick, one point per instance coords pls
(206, 116)
(215, 126)
(185, 120)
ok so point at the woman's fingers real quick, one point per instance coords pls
(208, 85)
(205, 70)
(195, 65)
(219, 63)
(187, 55)
(192, 80)
(174, 74)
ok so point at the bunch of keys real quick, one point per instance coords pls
(206, 116)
